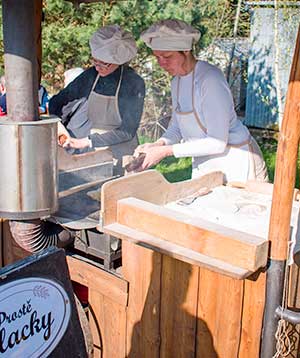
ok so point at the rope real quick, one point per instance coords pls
(282, 338)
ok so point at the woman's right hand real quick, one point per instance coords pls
(143, 148)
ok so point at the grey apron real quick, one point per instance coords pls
(104, 116)
(239, 162)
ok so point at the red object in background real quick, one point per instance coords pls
(81, 292)
(1, 112)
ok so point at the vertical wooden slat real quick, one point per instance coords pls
(294, 287)
(219, 312)
(108, 325)
(252, 319)
(179, 295)
(95, 317)
(142, 268)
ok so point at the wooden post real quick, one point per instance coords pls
(285, 173)
(279, 232)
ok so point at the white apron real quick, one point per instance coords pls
(104, 116)
(239, 162)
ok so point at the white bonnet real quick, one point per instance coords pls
(170, 35)
(111, 44)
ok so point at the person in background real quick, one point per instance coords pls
(103, 105)
(42, 94)
(43, 100)
(71, 74)
(204, 124)
(3, 110)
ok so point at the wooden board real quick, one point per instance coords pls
(179, 294)
(220, 302)
(98, 279)
(68, 161)
(149, 186)
(252, 316)
(142, 268)
(175, 251)
(108, 325)
(108, 298)
(228, 245)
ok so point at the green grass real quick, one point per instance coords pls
(269, 149)
(175, 169)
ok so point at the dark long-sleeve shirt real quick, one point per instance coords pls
(130, 101)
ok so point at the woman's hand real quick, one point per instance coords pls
(63, 135)
(154, 154)
(79, 143)
(144, 147)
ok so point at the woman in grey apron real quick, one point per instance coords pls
(204, 124)
(106, 101)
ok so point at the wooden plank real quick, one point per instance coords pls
(179, 294)
(252, 317)
(142, 268)
(228, 245)
(219, 315)
(108, 325)
(149, 186)
(294, 287)
(265, 188)
(68, 161)
(175, 251)
(99, 280)
(94, 316)
(108, 297)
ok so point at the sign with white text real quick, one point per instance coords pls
(34, 315)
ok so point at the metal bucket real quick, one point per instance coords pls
(28, 169)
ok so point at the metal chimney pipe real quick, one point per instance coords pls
(20, 59)
(28, 185)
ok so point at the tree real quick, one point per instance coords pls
(66, 31)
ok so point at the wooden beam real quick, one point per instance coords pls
(177, 252)
(216, 241)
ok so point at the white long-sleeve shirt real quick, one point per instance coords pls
(214, 106)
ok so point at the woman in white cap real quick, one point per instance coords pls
(204, 124)
(103, 106)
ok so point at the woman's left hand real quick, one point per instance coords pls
(154, 155)
(78, 143)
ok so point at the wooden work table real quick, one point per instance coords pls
(187, 294)
(135, 208)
